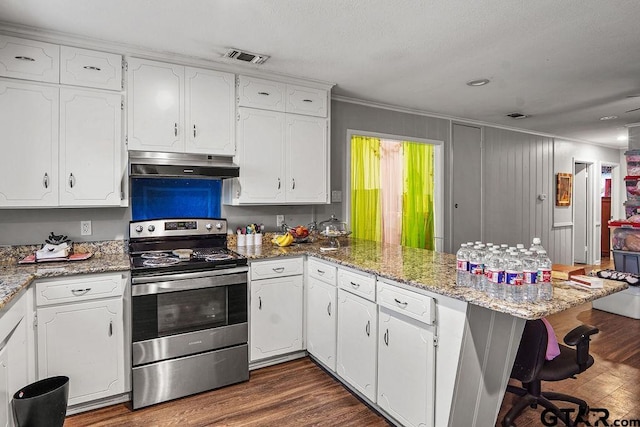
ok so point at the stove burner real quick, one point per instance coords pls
(159, 261)
(154, 255)
(217, 257)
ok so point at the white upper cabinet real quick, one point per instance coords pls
(305, 100)
(307, 157)
(90, 148)
(180, 109)
(82, 67)
(156, 106)
(210, 118)
(260, 93)
(260, 156)
(29, 161)
(29, 59)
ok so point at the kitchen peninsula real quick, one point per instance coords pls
(475, 338)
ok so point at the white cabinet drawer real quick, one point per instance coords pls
(322, 271)
(357, 283)
(276, 268)
(305, 100)
(412, 304)
(80, 288)
(29, 59)
(82, 67)
(259, 93)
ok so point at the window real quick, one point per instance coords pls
(395, 190)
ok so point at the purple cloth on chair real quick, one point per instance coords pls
(553, 349)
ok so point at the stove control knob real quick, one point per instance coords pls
(151, 228)
(219, 226)
(139, 229)
(208, 227)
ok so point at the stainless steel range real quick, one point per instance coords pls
(189, 309)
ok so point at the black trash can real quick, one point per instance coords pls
(42, 404)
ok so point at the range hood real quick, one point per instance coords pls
(178, 165)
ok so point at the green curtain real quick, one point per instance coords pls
(366, 212)
(417, 206)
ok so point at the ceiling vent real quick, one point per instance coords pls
(244, 56)
(517, 115)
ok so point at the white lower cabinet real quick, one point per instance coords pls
(82, 339)
(321, 321)
(276, 313)
(406, 368)
(357, 342)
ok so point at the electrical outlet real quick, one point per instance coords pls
(85, 228)
(336, 196)
(279, 220)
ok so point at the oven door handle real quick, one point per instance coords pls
(166, 286)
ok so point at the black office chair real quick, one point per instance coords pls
(531, 368)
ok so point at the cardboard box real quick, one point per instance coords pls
(563, 272)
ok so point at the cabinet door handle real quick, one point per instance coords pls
(263, 93)
(194, 131)
(329, 308)
(400, 303)
(91, 68)
(79, 292)
(111, 328)
(320, 271)
(355, 285)
(45, 180)
(293, 183)
(386, 338)
(278, 269)
(175, 129)
(24, 58)
(279, 183)
(307, 100)
(259, 303)
(368, 328)
(72, 180)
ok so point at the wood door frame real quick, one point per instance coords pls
(616, 203)
(591, 209)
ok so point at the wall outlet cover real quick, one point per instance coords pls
(85, 228)
(336, 196)
(279, 220)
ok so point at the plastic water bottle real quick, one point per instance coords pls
(488, 255)
(462, 267)
(476, 266)
(503, 248)
(545, 287)
(495, 275)
(536, 245)
(519, 247)
(513, 278)
(521, 253)
(530, 276)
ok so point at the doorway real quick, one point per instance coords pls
(609, 200)
(582, 213)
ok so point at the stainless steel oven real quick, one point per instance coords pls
(189, 314)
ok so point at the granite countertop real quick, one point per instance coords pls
(430, 271)
(108, 256)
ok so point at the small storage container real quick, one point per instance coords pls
(625, 235)
(632, 208)
(633, 156)
(632, 184)
(626, 261)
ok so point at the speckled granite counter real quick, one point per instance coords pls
(108, 256)
(430, 271)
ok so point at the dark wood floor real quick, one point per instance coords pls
(299, 393)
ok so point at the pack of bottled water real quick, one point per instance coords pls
(514, 274)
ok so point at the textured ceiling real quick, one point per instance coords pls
(564, 63)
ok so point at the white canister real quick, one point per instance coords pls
(242, 240)
(250, 239)
(257, 240)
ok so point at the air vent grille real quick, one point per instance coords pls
(517, 115)
(244, 56)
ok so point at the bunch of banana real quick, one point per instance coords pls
(283, 240)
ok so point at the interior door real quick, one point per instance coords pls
(467, 184)
(580, 214)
